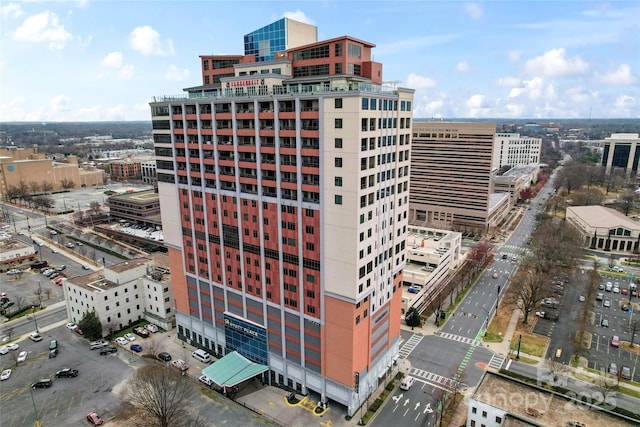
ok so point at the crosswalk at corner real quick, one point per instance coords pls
(411, 343)
(496, 362)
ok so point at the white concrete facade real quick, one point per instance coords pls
(515, 150)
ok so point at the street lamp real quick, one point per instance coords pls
(39, 294)
(34, 408)
(33, 309)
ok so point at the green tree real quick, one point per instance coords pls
(413, 317)
(90, 325)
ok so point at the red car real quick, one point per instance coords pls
(624, 291)
(95, 419)
(78, 331)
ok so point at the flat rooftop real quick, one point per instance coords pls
(518, 398)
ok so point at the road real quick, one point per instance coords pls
(46, 317)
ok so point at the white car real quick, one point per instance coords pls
(72, 326)
(151, 328)
(407, 382)
(616, 290)
(22, 357)
(4, 350)
(12, 346)
(122, 341)
(5, 374)
(130, 336)
(180, 364)
(540, 314)
(35, 337)
(581, 298)
(205, 380)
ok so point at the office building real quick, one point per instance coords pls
(603, 228)
(511, 149)
(620, 150)
(284, 190)
(451, 177)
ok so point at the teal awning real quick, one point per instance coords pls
(232, 369)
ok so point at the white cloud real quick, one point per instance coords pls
(625, 102)
(125, 72)
(578, 95)
(112, 60)
(43, 27)
(463, 66)
(298, 15)
(620, 77)
(535, 89)
(508, 81)
(417, 82)
(555, 62)
(515, 110)
(177, 75)
(514, 55)
(147, 41)
(473, 10)
(476, 101)
(60, 103)
(10, 11)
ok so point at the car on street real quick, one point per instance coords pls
(407, 382)
(54, 251)
(130, 337)
(95, 419)
(136, 347)
(495, 275)
(67, 373)
(625, 373)
(70, 245)
(205, 380)
(35, 337)
(71, 326)
(122, 341)
(43, 383)
(604, 323)
(615, 341)
(22, 357)
(85, 267)
(108, 350)
(5, 374)
(164, 356)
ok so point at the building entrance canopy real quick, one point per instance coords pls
(233, 369)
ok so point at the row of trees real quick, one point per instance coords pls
(35, 194)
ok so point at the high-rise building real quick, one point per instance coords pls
(621, 150)
(451, 171)
(284, 192)
(514, 150)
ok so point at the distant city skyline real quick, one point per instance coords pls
(99, 60)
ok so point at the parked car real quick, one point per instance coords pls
(604, 323)
(625, 373)
(22, 357)
(78, 331)
(5, 374)
(599, 296)
(122, 341)
(71, 326)
(43, 383)
(615, 341)
(67, 373)
(164, 356)
(180, 364)
(61, 267)
(141, 332)
(95, 419)
(53, 344)
(205, 380)
(96, 345)
(53, 353)
(129, 336)
(151, 328)
(136, 347)
(613, 369)
(413, 289)
(606, 303)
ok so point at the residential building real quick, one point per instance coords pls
(148, 170)
(604, 228)
(511, 149)
(123, 294)
(284, 188)
(500, 400)
(620, 150)
(451, 176)
(126, 170)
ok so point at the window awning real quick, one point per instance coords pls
(233, 369)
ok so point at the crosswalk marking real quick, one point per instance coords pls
(496, 361)
(458, 338)
(411, 343)
(436, 380)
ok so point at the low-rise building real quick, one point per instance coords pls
(604, 228)
(14, 253)
(515, 180)
(432, 257)
(140, 207)
(500, 400)
(124, 293)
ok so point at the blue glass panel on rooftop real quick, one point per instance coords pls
(264, 42)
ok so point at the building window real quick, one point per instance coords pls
(338, 181)
(338, 199)
(338, 49)
(499, 420)
(338, 102)
(338, 142)
(474, 410)
(484, 414)
(338, 162)
(338, 123)
(365, 103)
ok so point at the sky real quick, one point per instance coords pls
(100, 60)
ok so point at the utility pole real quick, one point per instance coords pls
(519, 342)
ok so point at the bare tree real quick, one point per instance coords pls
(34, 186)
(627, 200)
(7, 331)
(163, 395)
(92, 254)
(82, 250)
(47, 293)
(47, 187)
(527, 290)
(556, 369)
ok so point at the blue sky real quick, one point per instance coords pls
(104, 60)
